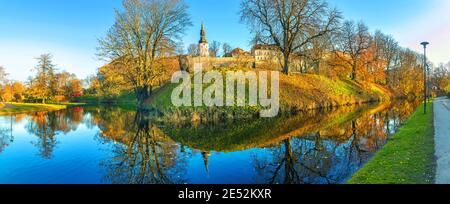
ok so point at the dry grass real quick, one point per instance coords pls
(306, 91)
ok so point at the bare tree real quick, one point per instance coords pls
(3, 82)
(179, 49)
(315, 52)
(289, 24)
(3, 75)
(214, 49)
(390, 49)
(193, 50)
(353, 41)
(440, 79)
(226, 48)
(256, 39)
(139, 39)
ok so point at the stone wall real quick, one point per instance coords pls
(187, 63)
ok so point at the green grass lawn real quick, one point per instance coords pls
(408, 157)
(14, 108)
(68, 104)
(124, 98)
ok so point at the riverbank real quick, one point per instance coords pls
(297, 93)
(407, 158)
(308, 92)
(125, 100)
(16, 108)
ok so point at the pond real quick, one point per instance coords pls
(96, 144)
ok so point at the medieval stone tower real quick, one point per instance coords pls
(203, 46)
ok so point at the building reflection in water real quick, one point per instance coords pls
(311, 147)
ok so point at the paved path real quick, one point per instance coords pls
(442, 139)
(7, 106)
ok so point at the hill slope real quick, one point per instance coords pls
(301, 92)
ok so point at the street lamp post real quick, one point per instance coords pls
(429, 82)
(425, 76)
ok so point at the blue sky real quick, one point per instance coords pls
(69, 29)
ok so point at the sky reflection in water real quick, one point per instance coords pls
(113, 145)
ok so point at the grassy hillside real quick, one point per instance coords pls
(304, 92)
(301, 92)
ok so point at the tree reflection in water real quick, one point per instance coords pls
(142, 153)
(43, 126)
(314, 147)
(47, 125)
(6, 130)
(331, 155)
(6, 136)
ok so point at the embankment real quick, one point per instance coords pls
(297, 93)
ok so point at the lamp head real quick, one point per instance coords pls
(425, 44)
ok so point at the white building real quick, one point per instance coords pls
(203, 46)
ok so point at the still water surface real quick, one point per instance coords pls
(114, 145)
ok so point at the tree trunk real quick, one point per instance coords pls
(286, 63)
(318, 67)
(353, 77)
(354, 127)
(303, 67)
(143, 94)
(387, 76)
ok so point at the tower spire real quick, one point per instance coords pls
(206, 156)
(203, 46)
(203, 34)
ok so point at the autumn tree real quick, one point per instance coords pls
(44, 85)
(92, 85)
(62, 80)
(289, 24)
(108, 83)
(13, 91)
(137, 40)
(378, 59)
(315, 53)
(440, 79)
(75, 88)
(389, 51)
(373, 62)
(68, 84)
(353, 41)
(18, 91)
(409, 74)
